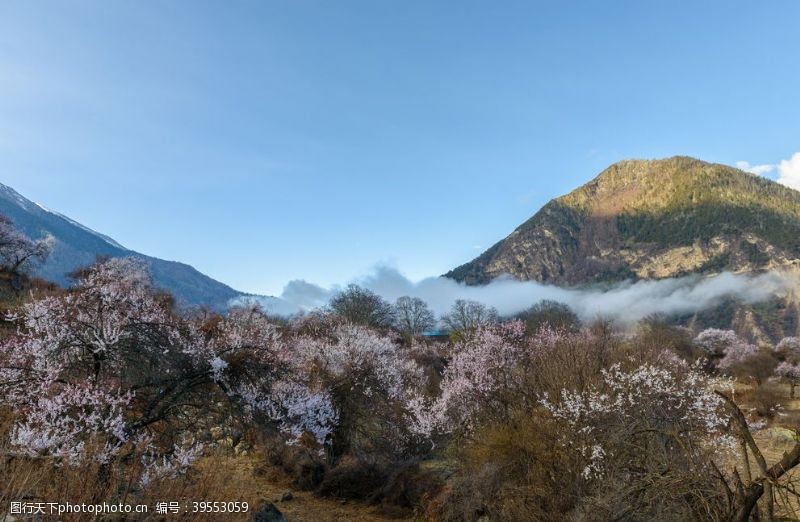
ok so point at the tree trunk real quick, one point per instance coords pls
(746, 459)
(746, 503)
(769, 512)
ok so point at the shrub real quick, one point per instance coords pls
(757, 365)
(409, 487)
(765, 400)
(352, 479)
(549, 314)
(303, 466)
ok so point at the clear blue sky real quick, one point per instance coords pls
(267, 141)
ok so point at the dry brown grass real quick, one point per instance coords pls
(214, 478)
(225, 477)
(218, 476)
(779, 436)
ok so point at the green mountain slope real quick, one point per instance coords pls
(648, 220)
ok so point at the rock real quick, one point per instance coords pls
(205, 436)
(287, 496)
(268, 513)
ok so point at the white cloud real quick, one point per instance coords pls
(789, 171)
(626, 302)
(759, 170)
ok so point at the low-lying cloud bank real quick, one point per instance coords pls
(625, 303)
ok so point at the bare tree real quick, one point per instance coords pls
(550, 313)
(467, 316)
(412, 315)
(746, 493)
(19, 253)
(363, 307)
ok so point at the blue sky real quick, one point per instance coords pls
(268, 141)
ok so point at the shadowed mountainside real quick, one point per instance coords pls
(76, 245)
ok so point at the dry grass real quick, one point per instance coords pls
(778, 437)
(246, 478)
(219, 476)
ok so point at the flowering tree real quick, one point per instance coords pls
(790, 372)
(668, 428)
(98, 371)
(18, 253)
(483, 372)
(258, 371)
(108, 368)
(715, 342)
(737, 354)
(790, 346)
(368, 378)
(636, 407)
(725, 347)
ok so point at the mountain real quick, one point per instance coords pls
(650, 220)
(76, 245)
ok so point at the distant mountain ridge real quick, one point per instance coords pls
(76, 245)
(650, 219)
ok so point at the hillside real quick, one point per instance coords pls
(650, 220)
(76, 245)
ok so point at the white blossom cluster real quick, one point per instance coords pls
(58, 370)
(301, 411)
(161, 466)
(715, 341)
(726, 347)
(372, 361)
(788, 370)
(482, 365)
(790, 345)
(71, 370)
(68, 421)
(643, 400)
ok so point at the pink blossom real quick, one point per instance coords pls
(737, 354)
(483, 365)
(788, 370)
(790, 345)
